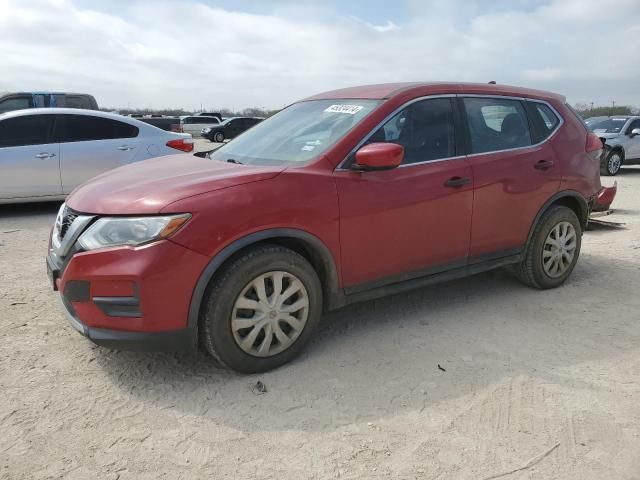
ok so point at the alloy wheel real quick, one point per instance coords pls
(270, 314)
(615, 160)
(559, 249)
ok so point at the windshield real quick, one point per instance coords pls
(611, 125)
(296, 134)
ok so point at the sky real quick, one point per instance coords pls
(247, 53)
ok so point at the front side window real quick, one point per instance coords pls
(635, 124)
(298, 133)
(82, 128)
(496, 124)
(26, 130)
(425, 129)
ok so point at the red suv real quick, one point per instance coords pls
(342, 197)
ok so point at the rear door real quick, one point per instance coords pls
(515, 171)
(29, 162)
(92, 145)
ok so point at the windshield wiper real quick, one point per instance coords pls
(233, 160)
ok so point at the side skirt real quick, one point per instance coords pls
(477, 265)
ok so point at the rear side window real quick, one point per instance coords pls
(76, 101)
(27, 130)
(549, 119)
(81, 128)
(425, 129)
(496, 124)
(15, 103)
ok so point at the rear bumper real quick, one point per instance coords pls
(605, 198)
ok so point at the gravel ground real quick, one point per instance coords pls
(480, 378)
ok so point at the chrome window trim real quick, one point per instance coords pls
(340, 167)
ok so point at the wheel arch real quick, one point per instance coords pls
(568, 198)
(300, 241)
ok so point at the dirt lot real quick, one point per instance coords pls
(480, 378)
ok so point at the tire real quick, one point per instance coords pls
(218, 137)
(221, 315)
(534, 270)
(612, 163)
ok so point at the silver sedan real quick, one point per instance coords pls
(45, 153)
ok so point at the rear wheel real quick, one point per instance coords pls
(261, 310)
(553, 249)
(218, 137)
(612, 163)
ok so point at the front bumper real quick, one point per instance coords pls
(130, 298)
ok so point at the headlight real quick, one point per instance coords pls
(115, 231)
(206, 130)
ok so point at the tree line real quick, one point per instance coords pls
(587, 111)
(177, 112)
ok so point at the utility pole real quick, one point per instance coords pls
(591, 106)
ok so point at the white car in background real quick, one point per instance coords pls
(46, 152)
(194, 124)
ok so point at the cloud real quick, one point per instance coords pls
(186, 54)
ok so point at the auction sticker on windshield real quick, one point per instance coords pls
(350, 109)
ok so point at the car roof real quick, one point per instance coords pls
(385, 91)
(75, 111)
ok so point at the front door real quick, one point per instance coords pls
(29, 162)
(632, 150)
(415, 219)
(92, 145)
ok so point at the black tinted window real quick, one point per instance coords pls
(15, 103)
(425, 129)
(496, 124)
(80, 128)
(74, 101)
(549, 119)
(27, 130)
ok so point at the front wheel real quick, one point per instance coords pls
(553, 249)
(612, 164)
(261, 310)
(218, 137)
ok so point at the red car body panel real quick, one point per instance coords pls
(390, 218)
(377, 226)
(147, 187)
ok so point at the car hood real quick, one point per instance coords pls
(149, 186)
(602, 134)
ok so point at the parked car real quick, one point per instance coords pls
(342, 197)
(230, 128)
(165, 123)
(45, 153)
(194, 124)
(589, 122)
(22, 100)
(621, 138)
(210, 114)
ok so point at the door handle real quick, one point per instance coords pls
(543, 165)
(45, 155)
(125, 148)
(457, 182)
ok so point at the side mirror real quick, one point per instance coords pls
(635, 131)
(379, 156)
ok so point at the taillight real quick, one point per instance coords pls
(594, 146)
(182, 144)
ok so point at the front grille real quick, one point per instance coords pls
(68, 216)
